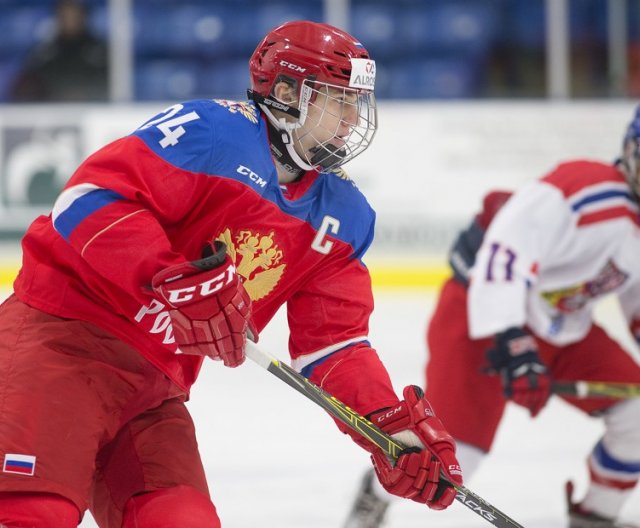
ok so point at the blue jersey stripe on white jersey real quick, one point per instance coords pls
(78, 202)
(601, 196)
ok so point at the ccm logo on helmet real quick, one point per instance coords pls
(292, 66)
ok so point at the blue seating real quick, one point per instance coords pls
(524, 22)
(98, 21)
(15, 4)
(424, 48)
(9, 69)
(425, 27)
(22, 27)
(268, 15)
(212, 29)
(379, 27)
(432, 78)
(450, 26)
(166, 80)
(225, 79)
(588, 21)
(183, 30)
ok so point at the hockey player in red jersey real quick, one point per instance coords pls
(517, 313)
(173, 244)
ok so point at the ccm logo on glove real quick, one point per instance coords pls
(400, 408)
(388, 414)
(205, 288)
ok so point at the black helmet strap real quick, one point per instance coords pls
(273, 104)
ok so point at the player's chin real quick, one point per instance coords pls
(328, 155)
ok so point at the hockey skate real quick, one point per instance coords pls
(579, 518)
(368, 510)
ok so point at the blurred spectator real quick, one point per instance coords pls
(72, 66)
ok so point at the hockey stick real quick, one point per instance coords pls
(596, 389)
(389, 445)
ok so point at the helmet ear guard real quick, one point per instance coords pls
(273, 103)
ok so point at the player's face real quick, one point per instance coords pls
(332, 114)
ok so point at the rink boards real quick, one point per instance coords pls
(426, 275)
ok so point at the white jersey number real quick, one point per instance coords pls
(171, 126)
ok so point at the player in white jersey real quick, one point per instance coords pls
(517, 314)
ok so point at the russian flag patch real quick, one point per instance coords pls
(21, 464)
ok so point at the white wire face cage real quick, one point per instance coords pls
(336, 124)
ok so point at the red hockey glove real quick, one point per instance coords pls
(210, 309)
(416, 474)
(525, 380)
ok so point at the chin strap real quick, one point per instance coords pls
(281, 137)
(280, 141)
(280, 131)
(293, 155)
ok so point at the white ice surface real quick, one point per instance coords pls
(274, 459)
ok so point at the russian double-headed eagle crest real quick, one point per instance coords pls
(246, 109)
(257, 258)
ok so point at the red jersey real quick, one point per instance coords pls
(197, 172)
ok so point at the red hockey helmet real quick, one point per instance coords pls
(301, 50)
(316, 58)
